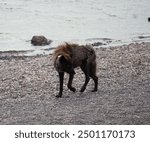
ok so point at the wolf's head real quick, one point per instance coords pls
(64, 65)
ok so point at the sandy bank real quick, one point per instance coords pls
(28, 87)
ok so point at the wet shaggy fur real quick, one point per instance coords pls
(69, 56)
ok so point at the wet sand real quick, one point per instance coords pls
(28, 86)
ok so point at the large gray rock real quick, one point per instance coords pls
(40, 40)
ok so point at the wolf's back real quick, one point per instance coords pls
(82, 53)
(75, 53)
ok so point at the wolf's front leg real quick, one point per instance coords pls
(71, 75)
(61, 79)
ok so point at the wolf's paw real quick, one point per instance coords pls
(58, 96)
(72, 89)
(94, 90)
(82, 89)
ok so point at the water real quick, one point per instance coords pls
(80, 21)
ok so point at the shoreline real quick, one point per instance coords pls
(28, 86)
(95, 42)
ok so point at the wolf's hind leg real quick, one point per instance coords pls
(70, 82)
(85, 69)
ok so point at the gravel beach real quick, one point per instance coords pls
(28, 86)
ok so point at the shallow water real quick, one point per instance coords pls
(78, 21)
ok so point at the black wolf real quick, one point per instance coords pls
(69, 56)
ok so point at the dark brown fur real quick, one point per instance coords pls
(69, 56)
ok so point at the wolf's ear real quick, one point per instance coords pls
(61, 58)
